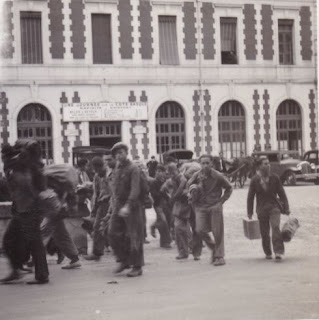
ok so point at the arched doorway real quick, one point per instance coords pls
(232, 129)
(170, 127)
(289, 128)
(34, 122)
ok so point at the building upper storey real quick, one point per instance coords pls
(150, 41)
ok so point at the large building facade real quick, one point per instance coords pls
(222, 75)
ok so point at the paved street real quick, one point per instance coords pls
(247, 287)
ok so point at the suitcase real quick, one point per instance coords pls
(251, 229)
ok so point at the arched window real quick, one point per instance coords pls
(170, 127)
(232, 129)
(34, 122)
(288, 123)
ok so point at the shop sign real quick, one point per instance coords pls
(104, 111)
(139, 130)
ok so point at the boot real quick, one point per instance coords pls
(14, 275)
(135, 272)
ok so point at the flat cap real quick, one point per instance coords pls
(117, 146)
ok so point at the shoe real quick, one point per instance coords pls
(26, 269)
(121, 267)
(92, 257)
(268, 257)
(61, 257)
(196, 258)
(14, 275)
(135, 272)
(72, 265)
(278, 257)
(153, 232)
(219, 262)
(181, 257)
(108, 250)
(41, 281)
(166, 246)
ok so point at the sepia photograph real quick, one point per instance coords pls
(159, 160)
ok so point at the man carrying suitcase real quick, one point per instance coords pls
(266, 186)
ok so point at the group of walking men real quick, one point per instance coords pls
(188, 202)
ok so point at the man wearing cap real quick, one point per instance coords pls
(126, 234)
(208, 191)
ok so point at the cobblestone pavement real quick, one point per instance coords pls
(247, 287)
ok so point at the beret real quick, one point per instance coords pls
(117, 146)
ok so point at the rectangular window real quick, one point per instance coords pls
(285, 36)
(31, 37)
(228, 33)
(101, 39)
(168, 40)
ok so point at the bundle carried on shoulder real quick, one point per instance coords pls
(61, 177)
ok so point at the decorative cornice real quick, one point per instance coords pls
(278, 7)
(103, 1)
(167, 3)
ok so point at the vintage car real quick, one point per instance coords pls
(181, 155)
(309, 167)
(88, 152)
(286, 164)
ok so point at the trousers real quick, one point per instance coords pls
(211, 220)
(56, 229)
(162, 225)
(182, 235)
(271, 219)
(100, 239)
(196, 239)
(126, 237)
(23, 238)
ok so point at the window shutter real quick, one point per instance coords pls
(168, 40)
(101, 39)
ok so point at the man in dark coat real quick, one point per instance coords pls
(126, 234)
(266, 186)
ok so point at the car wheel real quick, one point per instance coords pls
(290, 178)
(316, 181)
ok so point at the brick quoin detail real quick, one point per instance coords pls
(7, 50)
(145, 28)
(125, 29)
(65, 143)
(312, 116)
(267, 120)
(133, 140)
(78, 29)
(78, 142)
(5, 122)
(250, 32)
(305, 33)
(189, 29)
(208, 31)
(256, 107)
(56, 28)
(196, 118)
(208, 120)
(267, 32)
(145, 139)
